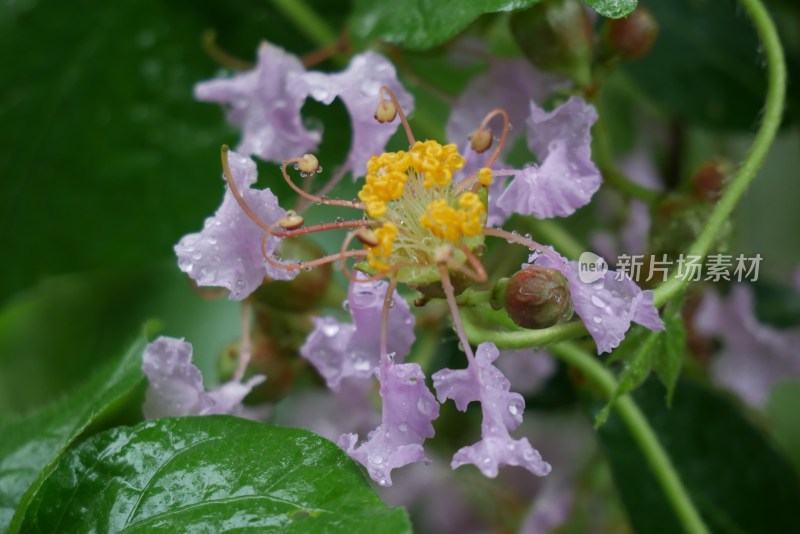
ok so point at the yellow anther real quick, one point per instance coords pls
(376, 209)
(380, 253)
(386, 111)
(291, 221)
(485, 176)
(481, 140)
(308, 164)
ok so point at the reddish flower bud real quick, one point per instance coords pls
(632, 37)
(538, 297)
(709, 181)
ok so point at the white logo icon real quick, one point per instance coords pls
(591, 267)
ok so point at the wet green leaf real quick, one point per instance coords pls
(32, 445)
(704, 67)
(612, 8)
(209, 474)
(423, 24)
(736, 477)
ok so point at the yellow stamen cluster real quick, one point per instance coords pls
(378, 254)
(388, 173)
(413, 195)
(450, 223)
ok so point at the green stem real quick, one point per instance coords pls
(644, 435)
(773, 111)
(472, 297)
(523, 338)
(307, 21)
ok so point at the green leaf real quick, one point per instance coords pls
(662, 352)
(613, 9)
(422, 24)
(91, 317)
(704, 67)
(108, 159)
(209, 474)
(734, 475)
(31, 446)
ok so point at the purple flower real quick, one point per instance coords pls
(567, 178)
(607, 306)
(227, 252)
(340, 350)
(508, 83)
(176, 385)
(502, 412)
(754, 356)
(265, 104)
(359, 88)
(407, 413)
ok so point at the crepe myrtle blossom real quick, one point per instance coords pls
(266, 102)
(175, 385)
(754, 357)
(565, 178)
(421, 220)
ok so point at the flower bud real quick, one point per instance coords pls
(632, 37)
(538, 297)
(481, 140)
(556, 36)
(306, 290)
(386, 111)
(709, 181)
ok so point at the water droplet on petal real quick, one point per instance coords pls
(330, 330)
(597, 301)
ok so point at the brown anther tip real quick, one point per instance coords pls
(291, 221)
(367, 237)
(481, 140)
(308, 164)
(386, 111)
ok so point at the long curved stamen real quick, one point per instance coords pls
(451, 302)
(315, 198)
(245, 350)
(323, 227)
(477, 273)
(308, 264)
(387, 304)
(521, 240)
(348, 273)
(226, 171)
(385, 91)
(503, 136)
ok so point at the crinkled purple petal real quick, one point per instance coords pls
(527, 369)
(754, 356)
(359, 88)
(567, 178)
(227, 252)
(265, 104)
(339, 350)
(555, 189)
(502, 412)
(407, 412)
(607, 306)
(509, 84)
(571, 123)
(176, 385)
